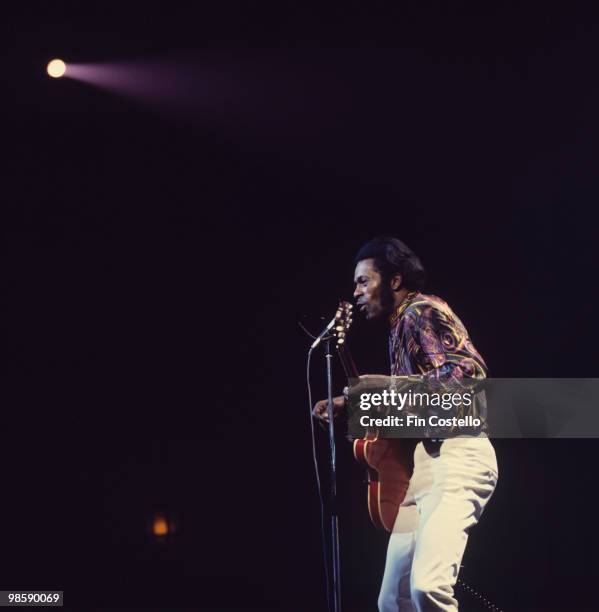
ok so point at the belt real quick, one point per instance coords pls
(432, 444)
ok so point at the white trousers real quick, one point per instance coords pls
(446, 497)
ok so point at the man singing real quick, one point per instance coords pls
(453, 478)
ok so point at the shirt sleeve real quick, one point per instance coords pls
(441, 348)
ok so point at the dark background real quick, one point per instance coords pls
(160, 250)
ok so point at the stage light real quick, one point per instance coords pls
(160, 526)
(56, 68)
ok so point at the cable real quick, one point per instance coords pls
(482, 598)
(316, 471)
(306, 331)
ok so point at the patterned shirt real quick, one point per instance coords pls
(428, 339)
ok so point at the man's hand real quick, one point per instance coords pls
(321, 408)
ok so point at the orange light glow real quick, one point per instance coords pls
(160, 526)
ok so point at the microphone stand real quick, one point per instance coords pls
(333, 471)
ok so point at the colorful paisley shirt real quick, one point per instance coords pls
(428, 339)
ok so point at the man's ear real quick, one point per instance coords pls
(396, 282)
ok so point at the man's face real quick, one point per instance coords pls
(374, 298)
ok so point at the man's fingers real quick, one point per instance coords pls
(321, 411)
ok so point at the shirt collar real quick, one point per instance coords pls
(401, 308)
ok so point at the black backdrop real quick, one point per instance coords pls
(160, 254)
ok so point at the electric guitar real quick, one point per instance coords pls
(389, 462)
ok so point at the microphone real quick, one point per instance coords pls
(325, 331)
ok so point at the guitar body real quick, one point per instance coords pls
(389, 462)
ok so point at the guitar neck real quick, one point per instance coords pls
(347, 361)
